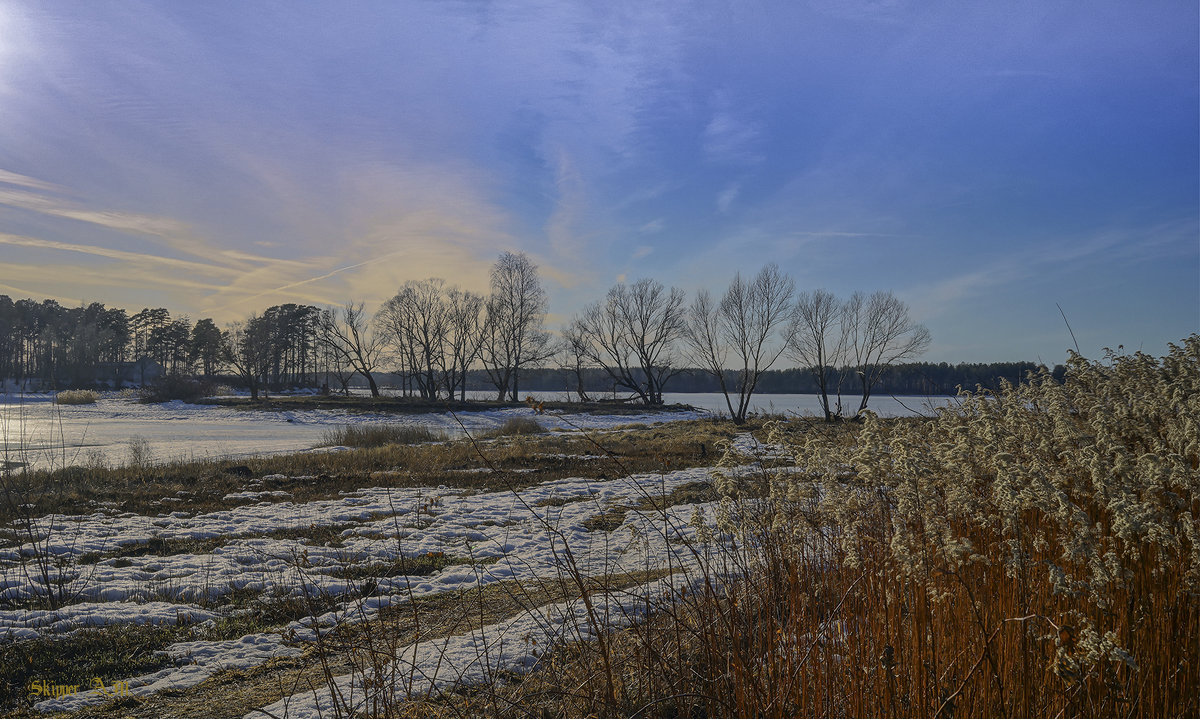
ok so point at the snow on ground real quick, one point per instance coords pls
(497, 536)
(25, 623)
(480, 655)
(750, 448)
(525, 540)
(384, 524)
(193, 663)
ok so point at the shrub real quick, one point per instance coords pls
(176, 387)
(138, 454)
(76, 396)
(379, 435)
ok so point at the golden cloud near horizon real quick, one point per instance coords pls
(445, 229)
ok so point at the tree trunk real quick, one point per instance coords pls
(866, 392)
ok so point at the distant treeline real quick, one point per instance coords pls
(46, 345)
(915, 378)
(87, 346)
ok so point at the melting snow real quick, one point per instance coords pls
(497, 536)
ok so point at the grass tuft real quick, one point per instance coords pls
(76, 396)
(513, 427)
(110, 654)
(380, 436)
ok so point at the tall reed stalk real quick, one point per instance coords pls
(1033, 552)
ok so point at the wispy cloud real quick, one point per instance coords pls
(562, 229)
(727, 196)
(21, 292)
(122, 221)
(13, 178)
(1058, 255)
(653, 227)
(729, 138)
(143, 259)
(169, 232)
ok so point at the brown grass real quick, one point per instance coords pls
(141, 488)
(1032, 554)
(379, 435)
(514, 426)
(76, 396)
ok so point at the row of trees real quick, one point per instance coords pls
(69, 346)
(432, 335)
(919, 379)
(429, 334)
(640, 333)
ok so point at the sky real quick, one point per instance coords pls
(989, 163)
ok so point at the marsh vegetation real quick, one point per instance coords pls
(1028, 552)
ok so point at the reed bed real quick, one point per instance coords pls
(1032, 552)
(380, 435)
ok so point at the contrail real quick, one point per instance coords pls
(112, 254)
(297, 283)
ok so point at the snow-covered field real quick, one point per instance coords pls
(498, 535)
(262, 547)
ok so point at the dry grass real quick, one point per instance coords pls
(76, 396)
(1033, 553)
(379, 436)
(1030, 554)
(141, 487)
(515, 427)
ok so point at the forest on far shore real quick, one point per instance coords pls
(44, 345)
(913, 379)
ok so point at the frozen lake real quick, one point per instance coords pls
(42, 434)
(804, 405)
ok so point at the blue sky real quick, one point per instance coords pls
(985, 161)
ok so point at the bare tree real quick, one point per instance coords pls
(335, 364)
(573, 353)
(742, 324)
(513, 335)
(246, 347)
(879, 332)
(632, 336)
(344, 330)
(433, 334)
(816, 337)
(413, 326)
(463, 339)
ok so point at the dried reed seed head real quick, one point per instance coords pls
(1076, 483)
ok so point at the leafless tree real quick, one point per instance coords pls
(463, 338)
(246, 347)
(879, 332)
(345, 331)
(513, 335)
(632, 336)
(412, 324)
(816, 338)
(573, 357)
(743, 324)
(335, 364)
